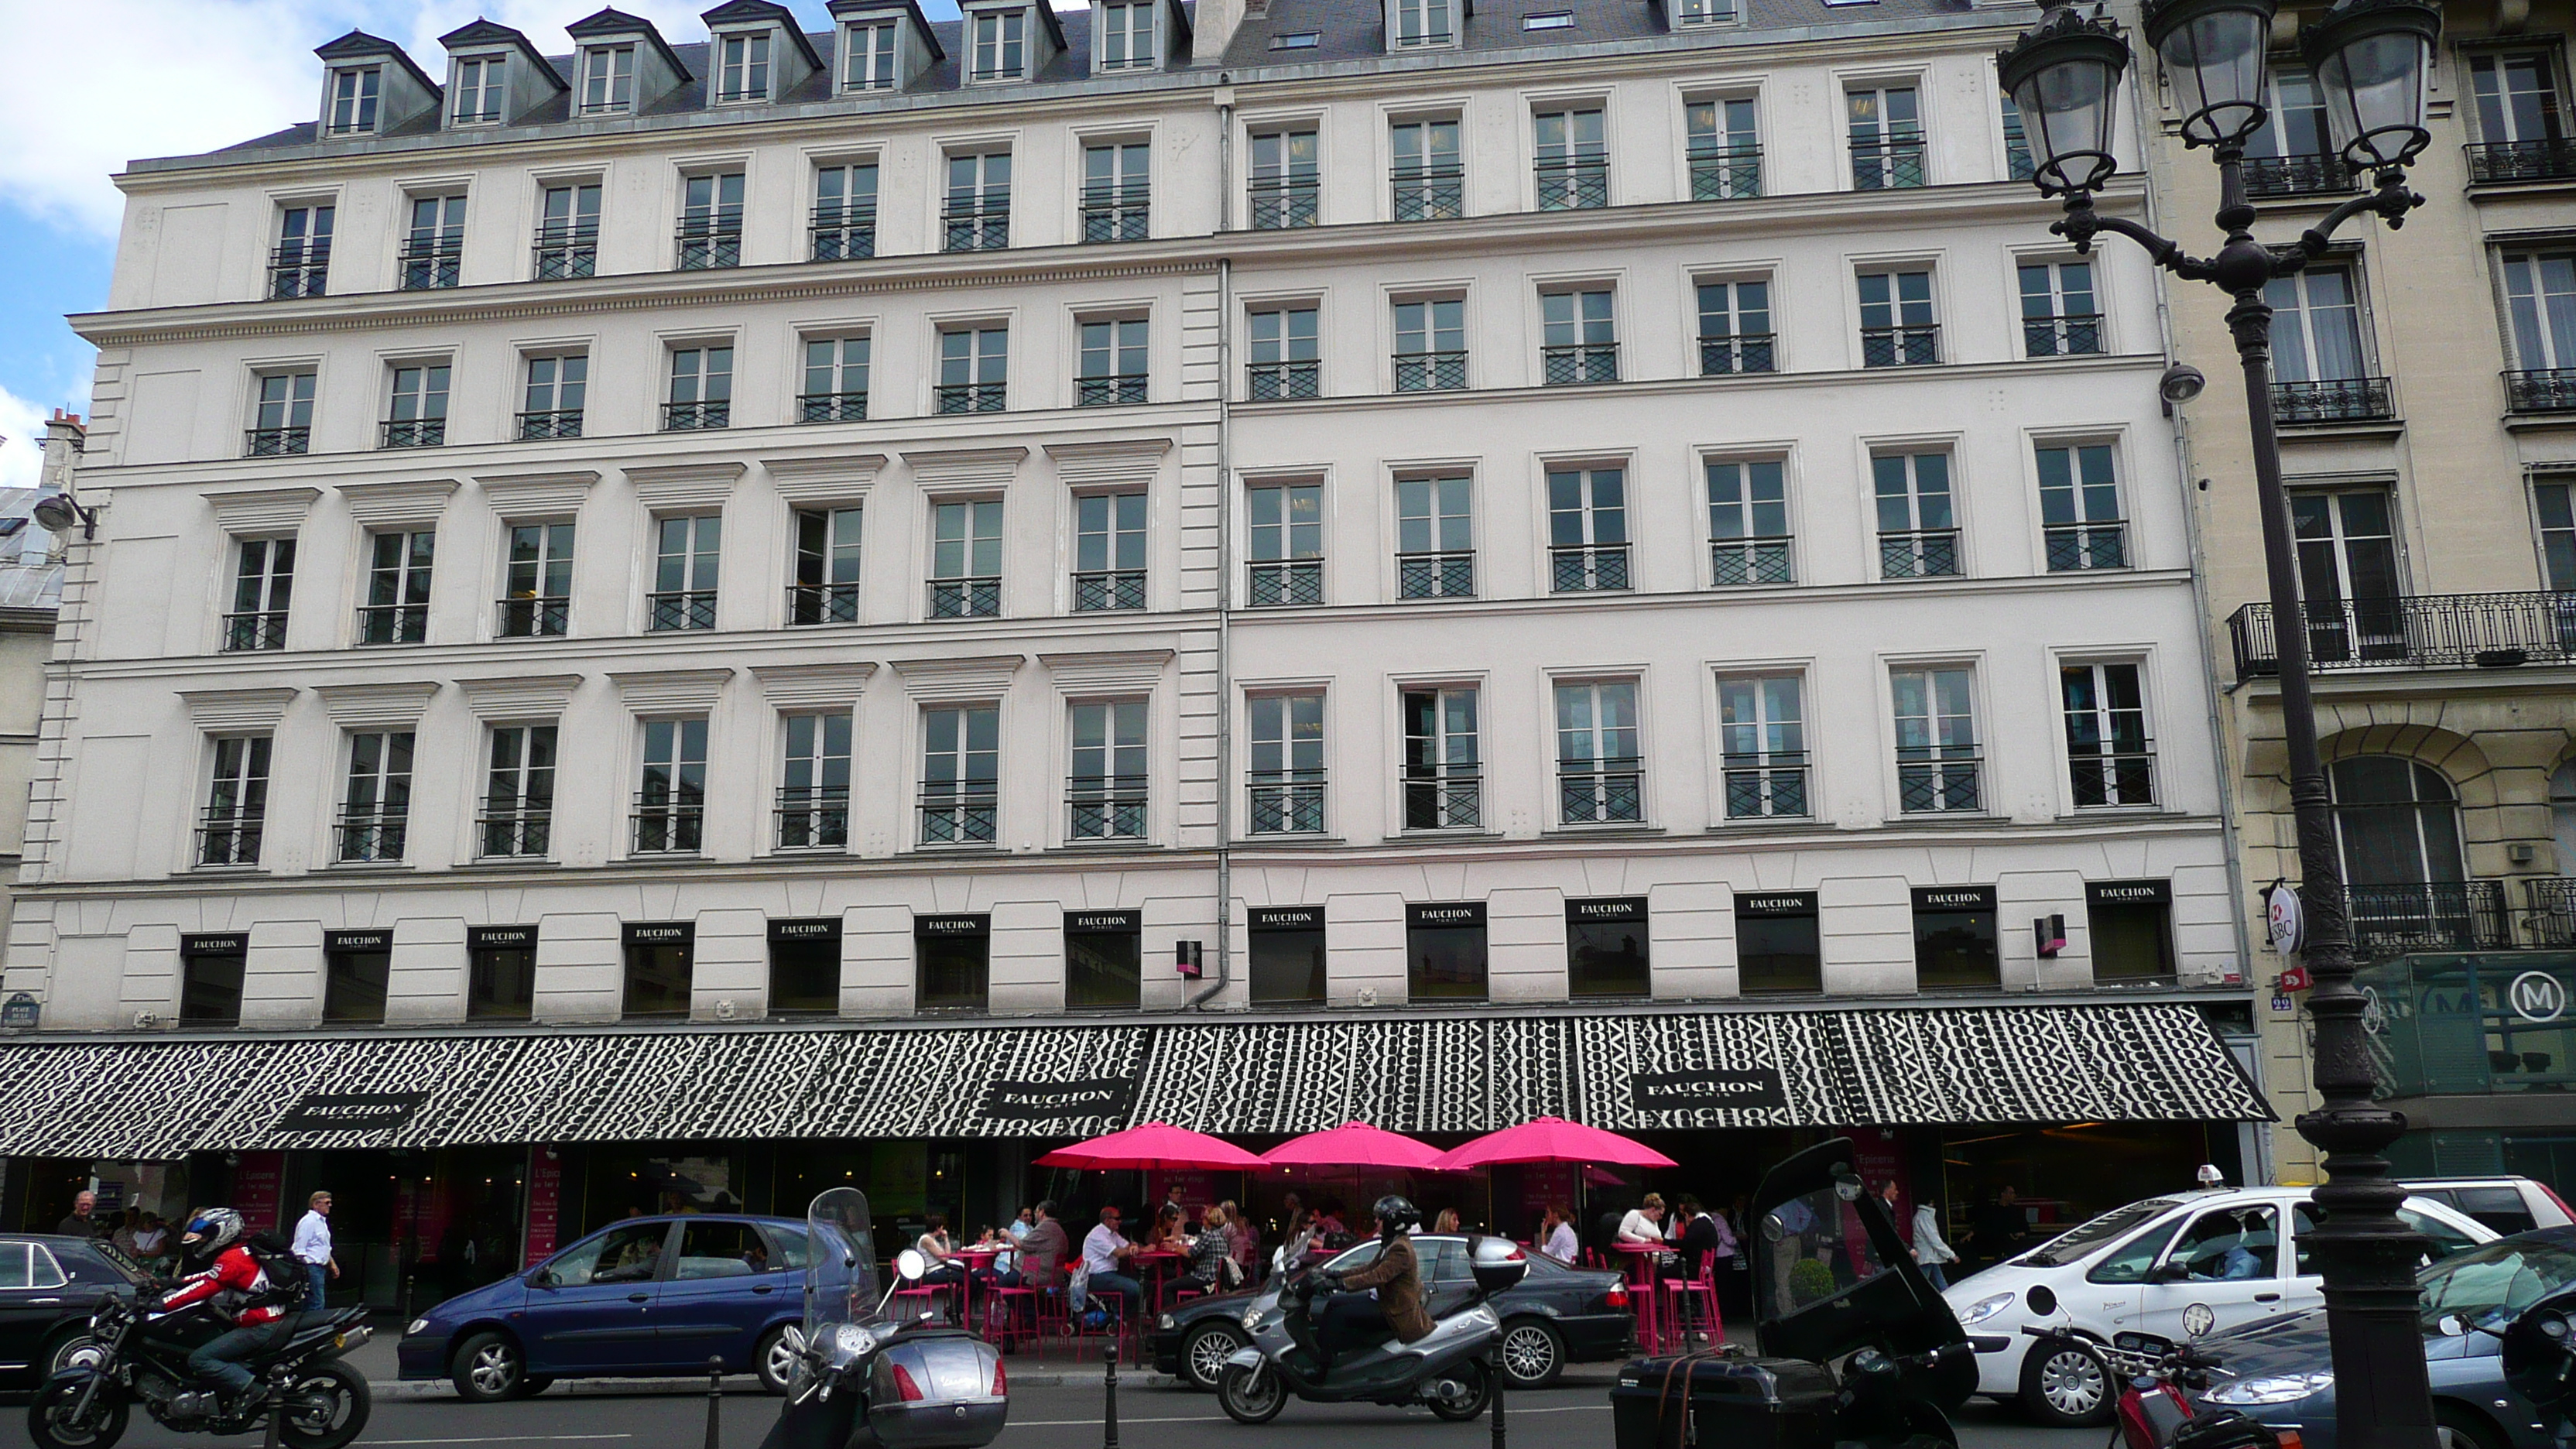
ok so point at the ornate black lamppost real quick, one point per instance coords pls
(2369, 57)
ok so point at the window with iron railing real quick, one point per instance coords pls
(236, 812)
(814, 781)
(701, 390)
(710, 234)
(1578, 337)
(2540, 308)
(869, 59)
(1748, 522)
(1442, 779)
(517, 814)
(416, 412)
(1430, 345)
(375, 805)
(607, 80)
(1572, 165)
(687, 554)
(355, 93)
(836, 380)
(1938, 767)
(2321, 348)
(1110, 368)
(998, 47)
(435, 246)
(2018, 165)
(670, 812)
(1587, 529)
(1285, 182)
(1105, 786)
(742, 68)
(1117, 191)
(2109, 751)
(1428, 182)
(479, 93)
(263, 585)
(301, 264)
(1108, 551)
(396, 610)
(1284, 362)
(1762, 745)
(1435, 545)
(1735, 328)
(1724, 148)
(282, 420)
(2060, 316)
(536, 589)
(1918, 534)
(977, 215)
(1420, 23)
(966, 559)
(1285, 784)
(2554, 504)
(2079, 508)
(1286, 537)
(1126, 36)
(961, 751)
(974, 369)
(826, 590)
(844, 226)
(2293, 152)
(1897, 325)
(1886, 138)
(557, 390)
(1600, 773)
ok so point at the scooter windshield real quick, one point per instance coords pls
(1814, 1246)
(840, 1263)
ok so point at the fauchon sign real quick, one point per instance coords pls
(1954, 898)
(501, 938)
(2128, 893)
(1110, 923)
(228, 943)
(351, 1111)
(1617, 908)
(660, 933)
(1744, 1089)
(1285, 918)
(1776, 903)
(1046, 1101)
(827, 928)
(1465, 913)
(975, 925)
(356, 941)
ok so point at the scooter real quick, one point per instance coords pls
(1443, 1371)
(2156, 1410)
(2539, 1353)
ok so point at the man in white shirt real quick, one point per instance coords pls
(1105, 1251)
(313, 1247)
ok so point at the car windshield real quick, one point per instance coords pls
(2488, 1287)
(2081, 1240)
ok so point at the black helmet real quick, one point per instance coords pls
(1395, 1215)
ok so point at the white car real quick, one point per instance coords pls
(2178, 1267)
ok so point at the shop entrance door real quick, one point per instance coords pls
(593, 1307)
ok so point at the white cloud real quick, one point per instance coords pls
(23, 455)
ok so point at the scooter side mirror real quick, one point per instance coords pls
(794, 1337)
(2451, 1326)
(909, 1265)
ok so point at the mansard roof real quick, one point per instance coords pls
(746, 12)
(481, 33)
(613, 23)
(359, 45)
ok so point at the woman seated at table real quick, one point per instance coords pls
(1447, 1222)
(1170, 1233)
(1245, 1236)
(1211, 1249)
(941, 1250)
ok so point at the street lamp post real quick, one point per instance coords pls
(2369, 57)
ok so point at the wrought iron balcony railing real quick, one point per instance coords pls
(1449, 575)
(566, 252)
(813, 817)
(1429, 193)
(1738, 561)
(263, 629)
(2104, 779)
(1737, 352)
(1105, 809)
(1929, 553)
(1120, 390)
(393, 623)
(373, 835)
(1578, 185)
(2552, 902)
(1601, 792)
(1766, 787)
(1430, 371)
(1587, 568)
(2336, 400)
(832, 407)
(1580, 362)
(2423, 631)
(2100, 544)
(2551, 158)
(972, 397)
(2079, 335)
(1102, 589)
(1283, 381)
(1915, 346)
(696, 417)
(550, 423)
(1734, 174)
(2451, 915)
(2279, 176)
(844, 234)
(229, 837)
(669, 824)
(428, 264)
(412, 433)
(960, 816)
(977, 598)
(680, 609)
(1887, 165)
(1287, 802)
(823, 603)
(299, 269)
(1280, 205)
(977, 228)
(2541, 390)
(1116, 214)
(533, 618)
(1275, 583)
(507, 828)
(1452, 799)
(709, 245)
(277, 442)
(1937, 778)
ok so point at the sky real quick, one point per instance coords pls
(187, 76)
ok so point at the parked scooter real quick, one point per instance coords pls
(2539, 1352)
(1444, 1371)
(908, 1385)
(2155, 1409)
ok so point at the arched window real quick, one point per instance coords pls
(2399, 821)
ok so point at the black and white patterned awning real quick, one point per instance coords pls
(1965, 1066)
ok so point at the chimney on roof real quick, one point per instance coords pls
(1213, 28)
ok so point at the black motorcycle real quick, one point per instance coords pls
(137, 1357)
(2539, 1353)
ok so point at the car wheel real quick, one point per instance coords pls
(1533, 1353)
(774, 1360)
(2065, 1386)
(490, 1367)
(1204, 1353)
(2459, 1428)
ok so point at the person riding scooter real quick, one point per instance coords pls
(1353, 1315)
(236, 1288)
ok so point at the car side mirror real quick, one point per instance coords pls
(544, 1278)
(2168, 1272)
(2452, 1327)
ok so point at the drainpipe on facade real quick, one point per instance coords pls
(1224, 560)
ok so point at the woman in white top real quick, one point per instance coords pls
(1644, 1222)
(940, 1249)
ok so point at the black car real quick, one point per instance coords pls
(49, 1283)
(1558, 1315)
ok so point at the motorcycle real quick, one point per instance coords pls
(2156, 1409)
(1444, 1371)
(136, 1356)
(909, 1385)
(2539, 1353)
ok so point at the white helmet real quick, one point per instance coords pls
(211, 1230)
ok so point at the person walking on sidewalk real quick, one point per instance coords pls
(1930, 1251)
(312, 1248)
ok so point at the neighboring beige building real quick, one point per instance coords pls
(2425, 382)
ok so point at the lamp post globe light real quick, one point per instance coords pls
(2369, 57)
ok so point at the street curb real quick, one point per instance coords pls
(421, 1389)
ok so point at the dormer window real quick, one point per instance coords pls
(607, 80)
(480, 90)
(1708, 12)
(869, 64)
(353, 100)
(742, 70)
(1127, 36)
(1424, 23)
(1001, 46)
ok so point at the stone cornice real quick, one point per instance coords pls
(958, 680)
(814, 686)
(523, 696)
(684, 485)
(1122, 671)
(376, 704)
(237, 709)
(415, 501)
(1109, 462)
(824, 478)
(942, 470)
(263, 510)
(526, 495)
(657, 691)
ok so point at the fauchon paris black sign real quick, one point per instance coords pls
(351, 1111)
(1048, 1101)
(501, 938)
(1433, 918)
(1285, 918)
(1104, 923)
(1744, 1089)
(2128, 893)
(975, 925)
(227, 943)
(1614, 909)
(1776, 903)
(1954, 898)
(827, 928)
(660, 933)
(357, 941)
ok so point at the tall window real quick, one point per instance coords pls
(1897, 325)
(1428, 181)
(1918, 535)
(2349, 578)
(868, 56)
(1285, 362)
(263, 583)
(518, 792)
(671, 798)
(1762, 737)
(1117, 187)
(1104, 960)
(1127, 35)
(2320, 349)
(376, 805)
(536, 586)
(2292, 153)
(978, 215)
(1285, 179)
(283, 420)
(687, 553)
(2059, 315)
(701, 390)
(960, 774)
(2079, 508)
(742, 68)
(1435, 538)
(416, 412)
(974, 369)
(435, 245)
(2018, 165)
(1286, 534)
(836, 380)
(1600, 774)
(966, 559)
(1955, 946)
(2108, 749)
(1735, 328)
(1000, 46)
(301, 265)
(711, 221)
(1443, 781)
(814, 781)
(1422, 22)
(1573, 159)
(1748, 523)
(354, 94)
(236, 802)
(398, 572)
(2555, 505)
(826, 590)
(1431, 345)
(567, 242)
(2521, 126)
(1886, 137)
(2399, 825)
(356, 967)
(607, 79)
(481, 90)
(1287, 776)
(845, 211)
(1937, 764)
(1112, 363)
(1108, 551)
(1578, 337)
(501, 972)
(1587, 529)
(1725, 149)
(2540, 304)
(1105, 788)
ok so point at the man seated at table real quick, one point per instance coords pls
(1105, 1252)
(1039, 1263)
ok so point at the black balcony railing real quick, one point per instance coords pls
(265, 629)
(299, 269)
(844, 235)
(1115, 214)
(669, 824)
(2114, 779)
(2278, 176)
(1600, 792)
(1430, 371)
(432, 263)
(1579, 362)
(1287, 802)
(1277, 582)
(1916, 346)
(832, 407)
(985, 228)
(972, 397)
(509, 829)
(813, 817)
(2100, 544)
(1740, 352)
(1095, 591)
(550, 423)
(2552, 158)
(704, 246)
(1283, 381)
(1572, 185)
(1587, 568)
(277, 442)
(1449, 575)
(1765, 787)
(1935, 778)
(1429, 193)
(1451, 800)
(1736, 561)
(1730, 175)
(2336, 400)
(229, 837)
(393, 623)
(1929, 553)
(2424, 631)
(2553, 910)
(1123, 389)
(373, 835)
(823, 603)
(680, 609)
(2073, 336)
(965, 598)
(2541, 390)
(2448, 915)
(960, 816)
(1887, 165)
(696, 417)
(565, 252)
(1278, 205)
(533, 618)
(1104, 810)
(412, 433)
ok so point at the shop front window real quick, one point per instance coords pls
(1777, 946)
(501, 972)
(658, 970)
(1954, 939)
(2131, 923)
(956, 962)
(1444, 951)
(1287, 948)
(1605, 947)
(1103, 960)
(210, 989)
(805, 967)
(358, 966)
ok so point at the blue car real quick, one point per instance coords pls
(2283, 1374)
(647, 1297)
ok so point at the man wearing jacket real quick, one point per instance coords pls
(1351, 1314)
(235, 1288)
(1043, 1249)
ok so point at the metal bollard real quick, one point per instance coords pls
(276, 1422)
(715, 1398)
(1109, 1423)
(1494, 1376)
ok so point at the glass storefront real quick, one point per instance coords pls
(1444, 951)
(1777, 945)
(1605, 947)
(1954, 938)
(2473, 1024)
(1287, 950)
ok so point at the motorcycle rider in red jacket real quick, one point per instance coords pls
(238, 1288)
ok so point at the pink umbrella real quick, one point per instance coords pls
(1354, 1144)
(1595, 1177)
(1151, 1146)
(1552, 1139)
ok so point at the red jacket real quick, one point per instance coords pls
(236, 1276)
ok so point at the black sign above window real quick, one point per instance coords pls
(975, 925)
(1753, 1089)
(1104, 923)
(229, 943)
(1613, 908)
(1047, 1101)
(2128, 893)
(501, 938)
(358, 940)
(661, 933)
(1434, 918)
(827, 928)
(1285, 918)
(1776, 903)
(351, 1111)
(1954, 898)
